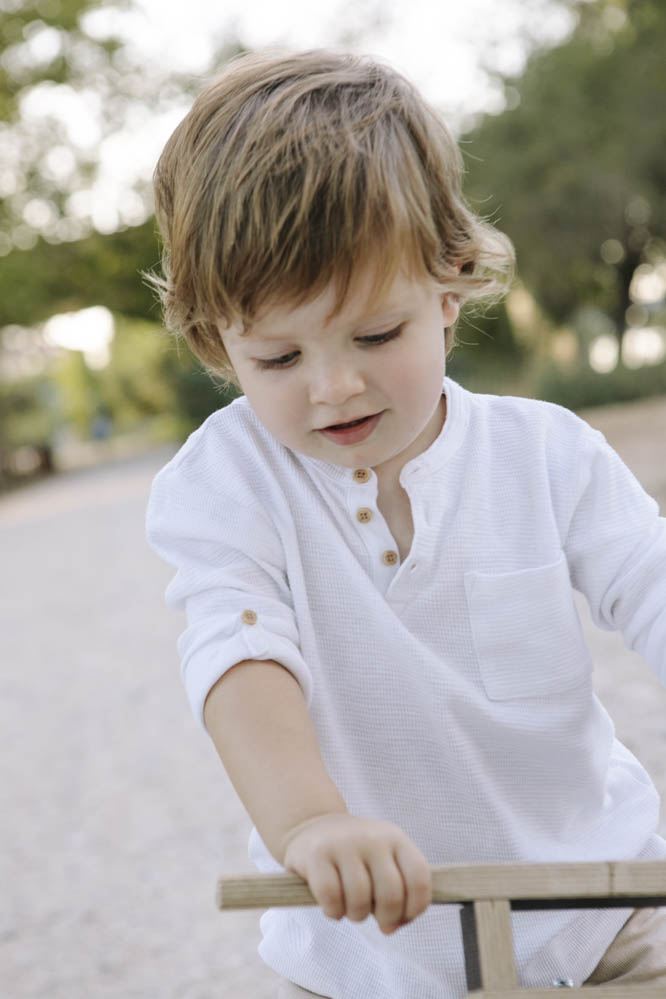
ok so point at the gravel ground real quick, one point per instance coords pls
(117, 816)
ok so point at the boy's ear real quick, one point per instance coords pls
(450, 308)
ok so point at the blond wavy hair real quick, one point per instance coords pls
(295, 170)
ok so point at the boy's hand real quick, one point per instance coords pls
(356, 866)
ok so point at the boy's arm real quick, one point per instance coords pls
(616, 550)
(257, 718)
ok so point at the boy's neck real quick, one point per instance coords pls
(388, 473)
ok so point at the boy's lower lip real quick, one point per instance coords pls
(352, 435)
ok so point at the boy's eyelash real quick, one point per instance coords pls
(286, 360)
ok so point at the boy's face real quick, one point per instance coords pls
(305, 373)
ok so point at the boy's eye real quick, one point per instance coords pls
(286, 360)
(382, 337)
(278, 362)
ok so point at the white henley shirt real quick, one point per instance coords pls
(451, 693)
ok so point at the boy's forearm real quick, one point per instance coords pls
(258, 720)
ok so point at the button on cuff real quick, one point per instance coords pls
(254, 636)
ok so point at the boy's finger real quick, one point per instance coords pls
(357, 888)
(326, 886)
(392, 927)
(389, 891)
(418, 881)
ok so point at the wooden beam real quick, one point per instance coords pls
(488, 944)
(476, 882)
(524, 881)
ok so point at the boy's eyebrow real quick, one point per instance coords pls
(385, 314)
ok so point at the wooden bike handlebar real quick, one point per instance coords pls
(487, 894)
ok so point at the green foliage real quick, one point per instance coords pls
(146, 383)
(580, 160)
(68, 56)
(578, 389)
(149, 377)
(196, 393)
(80, 394)
(27, 412)
(98, 270)
(52, 44)
(148, 380)
(18, 21)
(487, 353)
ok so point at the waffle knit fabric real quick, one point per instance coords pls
(451, 693)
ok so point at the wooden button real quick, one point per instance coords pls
(364, 515)
(361, 475)
(249, 617)
(390, 558)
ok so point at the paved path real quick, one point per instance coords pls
(116, 814)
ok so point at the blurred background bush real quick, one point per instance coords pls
(568, 159)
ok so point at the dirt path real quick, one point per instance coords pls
(117, 817)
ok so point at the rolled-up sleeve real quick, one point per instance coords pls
(231, 581)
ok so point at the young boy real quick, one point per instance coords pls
(378, 566)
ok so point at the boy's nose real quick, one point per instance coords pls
(335, 383)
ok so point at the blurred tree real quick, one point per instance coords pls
(487, 352)
(574, 170)
(97, 270)
(69, 81)
(45, 49)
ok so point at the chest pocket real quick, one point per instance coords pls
(526, 631)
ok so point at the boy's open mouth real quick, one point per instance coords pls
(353, 432)
(353, 423)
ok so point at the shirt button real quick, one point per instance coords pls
(364, 515)
(249, 617)
(361, 475)
(390, 558)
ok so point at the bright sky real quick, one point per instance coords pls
(438, 43)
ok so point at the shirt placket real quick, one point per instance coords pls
(384, 556)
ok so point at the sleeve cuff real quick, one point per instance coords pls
(201, 674)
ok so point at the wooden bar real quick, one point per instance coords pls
(495, 944)
(623, 880)
(487, 893)
(261, 891)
